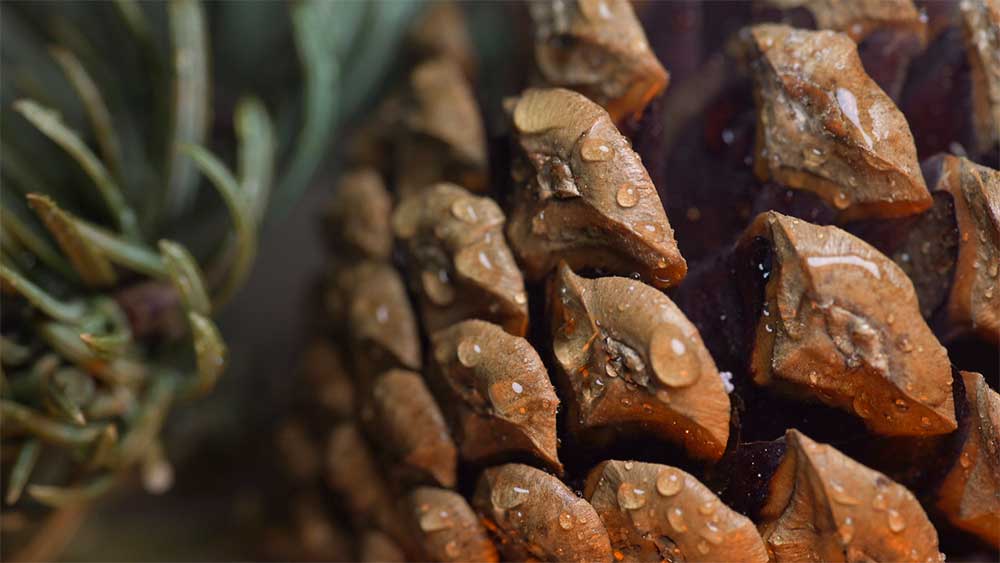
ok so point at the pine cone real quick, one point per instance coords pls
(720, 322)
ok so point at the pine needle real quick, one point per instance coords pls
(35, 243)
(45, 428)
(66, 312)
(48, 122)
(62, 496)
(190, 108)
(210, 353)
(97, 110)
(94, 268)
(25, 463)
(256, 154)
(243, 221)
(184, 273)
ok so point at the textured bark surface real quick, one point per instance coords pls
(858, 18)
(927, 253)
(629, 359)
(442, 137)
(352, 472)
(331, 387)
(889, 33)
(840, 323)
(534, 516)
(824, 506)
(582, 194)
(970, 494)
(981, 31)
(412, 430)
(657, 512)
(824, 126)
(598, 48)
(377, 547)
(356, 222)
(380, 321)
(457, 257)
(446, 528)
(496, 393)
(318, 538)
(974, 300)
(441, 32)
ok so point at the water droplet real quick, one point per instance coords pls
(630, 497)
(663, 351)
(565, 521)
(676, 518)
(485, 261)
(727, 381)
(895, 519)
(437, 287)
(598, 387)
(904, 344)
(506, 498)
(595, 150)
(663, 276)
(469, 352)
(504, 396)
(849, 107)
(841, 201)
(669, 482)
(629, 465)
(964, 460)
(434, 520)
(708, 507)
(846, 530)
(840, 495)
(880, 502)
(627, 196)
(538, 225)
(813, 157)
(463, 210)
